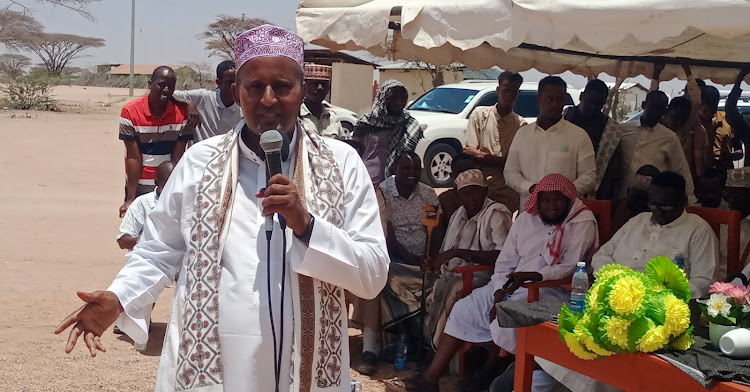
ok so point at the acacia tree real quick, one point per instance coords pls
(221, 34)
(56, 50)
(16, 26)
(13, 65)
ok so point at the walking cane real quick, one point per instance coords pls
(430, 219)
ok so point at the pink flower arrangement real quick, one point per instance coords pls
(721, 287)
(728, 304)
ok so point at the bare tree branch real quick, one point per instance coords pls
(16, 26)
(221, 34)
(79, 6)
(56, 50)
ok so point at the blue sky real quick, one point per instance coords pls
(178, 22)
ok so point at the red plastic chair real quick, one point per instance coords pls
(732, 218)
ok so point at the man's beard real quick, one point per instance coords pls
(555, 221)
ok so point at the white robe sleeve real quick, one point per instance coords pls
(353, 257)
(155, 260)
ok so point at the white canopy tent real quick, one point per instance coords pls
(622, 38)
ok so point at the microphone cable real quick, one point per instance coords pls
(278, 345)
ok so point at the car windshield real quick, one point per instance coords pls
(444, 100)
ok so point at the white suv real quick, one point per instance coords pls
(443, 113)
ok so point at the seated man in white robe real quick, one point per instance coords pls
(664, 231)
(476, 233)
(546, 241)
(263, 263)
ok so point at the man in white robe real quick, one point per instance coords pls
(664, 231)
(236, 324)
(555, 232)
(475, 235)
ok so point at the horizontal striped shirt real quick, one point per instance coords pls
(156, 136)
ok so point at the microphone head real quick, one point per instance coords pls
(271, 141)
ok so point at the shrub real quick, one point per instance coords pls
(26, 94)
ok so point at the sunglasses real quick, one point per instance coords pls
(661, 208)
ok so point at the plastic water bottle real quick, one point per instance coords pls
(402, 348)
(679, 260)
(580, 286)
(356, 386)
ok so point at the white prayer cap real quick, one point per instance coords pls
(470, 177)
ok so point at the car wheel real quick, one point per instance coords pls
(437, 168)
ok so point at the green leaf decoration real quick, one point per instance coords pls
(566, 321)
(666, 274)
(656, 308)
(638, 328)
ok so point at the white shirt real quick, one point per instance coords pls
(216, 118)
(353, 257)
(642, 239)
(405, 214)
(525, 249)
(564, 148)
(135, 217)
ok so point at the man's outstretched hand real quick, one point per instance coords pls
(91, 320)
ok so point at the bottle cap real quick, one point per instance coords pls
(581, 264)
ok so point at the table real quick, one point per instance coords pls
(629, 372)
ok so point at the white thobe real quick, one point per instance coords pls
(564, 148)
(642, 239)
(353, 257)
(525, 250)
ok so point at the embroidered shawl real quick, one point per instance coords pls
(319, 307)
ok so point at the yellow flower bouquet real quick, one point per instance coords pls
(628, 311)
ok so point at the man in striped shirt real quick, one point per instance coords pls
(154, 130)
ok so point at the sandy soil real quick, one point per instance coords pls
(62, 176)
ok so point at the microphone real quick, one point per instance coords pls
(275, 146)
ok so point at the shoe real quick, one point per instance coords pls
(413, 384)
(369, 363)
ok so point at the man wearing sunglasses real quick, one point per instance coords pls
(665, 231)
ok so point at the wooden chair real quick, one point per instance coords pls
(732, 218)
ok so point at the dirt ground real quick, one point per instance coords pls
(62, 176)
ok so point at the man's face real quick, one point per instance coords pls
(706, 113)
(553, 207)
(472, 197)
(226, 79)
(708, 191)
(269, 91)
(637, 200)
(507, 92)
(408, 170)
(654, 108)
(316, 90)
(397, 101)
(592, 103)
(665, 204)
(675, 118)
(551, 100)
(162, 85)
